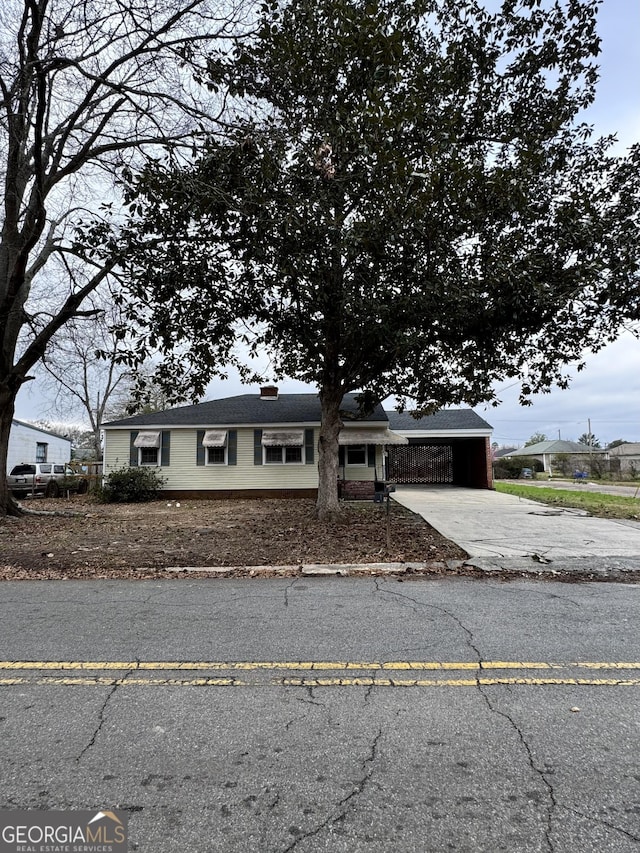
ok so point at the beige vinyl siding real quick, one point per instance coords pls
(183, 473)
(116, 450)
(363, 472)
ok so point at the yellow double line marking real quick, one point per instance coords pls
(372, 673)
(308, 665)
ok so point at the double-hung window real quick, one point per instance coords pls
(215, 444)
(148, 444)
(280, 454)
(283, 447)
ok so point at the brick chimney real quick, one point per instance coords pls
(269, 392)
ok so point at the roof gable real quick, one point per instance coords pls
(40, 429)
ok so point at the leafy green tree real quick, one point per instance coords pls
(408, 206)
(536, 438)
(589, 439)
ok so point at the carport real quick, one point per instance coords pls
(451, 447)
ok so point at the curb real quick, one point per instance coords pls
(567, 568)
(319, 569)
(587, 568)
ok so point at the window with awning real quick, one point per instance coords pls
(214, 438)
(147, 438)
(283, 446)
(381, 435)
(282, 438)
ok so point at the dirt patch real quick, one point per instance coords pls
(116, 541)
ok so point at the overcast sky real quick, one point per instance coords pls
(608, 391)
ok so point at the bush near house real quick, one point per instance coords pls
(132, 485)
(510, 469)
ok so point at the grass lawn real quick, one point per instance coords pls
(603, 506)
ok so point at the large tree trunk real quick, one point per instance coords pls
(8, 505)
(327, 507)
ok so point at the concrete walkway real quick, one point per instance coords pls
(488, 524)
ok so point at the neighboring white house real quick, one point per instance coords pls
(28, 443)
(625, 458)
(547, 451)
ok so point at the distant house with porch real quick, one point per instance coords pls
(572, 452)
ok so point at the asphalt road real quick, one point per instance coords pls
(328, 714)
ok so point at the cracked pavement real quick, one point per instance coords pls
(309, 746)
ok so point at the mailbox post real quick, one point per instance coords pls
(382, 491)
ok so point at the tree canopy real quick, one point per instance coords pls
(589, 439)
(408, 205)
(536, 438)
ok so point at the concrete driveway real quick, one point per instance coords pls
(490, 524)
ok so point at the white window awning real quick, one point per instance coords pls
(214, 438)
(370, 436)
(147, 439)
(280, 437)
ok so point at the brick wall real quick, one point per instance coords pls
(489, 463)
(357, 490)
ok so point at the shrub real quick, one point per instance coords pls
(132, 485)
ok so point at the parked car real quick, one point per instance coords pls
(45, 478)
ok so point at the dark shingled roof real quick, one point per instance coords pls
(247, 409)
(446, 419)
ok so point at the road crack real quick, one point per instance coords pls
(102, 712)
(552, 801)
(421, 605)
(287, 588)
(601, 822)
(346, 803)
(471, 642)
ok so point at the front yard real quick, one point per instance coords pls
(116, 540)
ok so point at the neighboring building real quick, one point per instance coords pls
(624, 459)
(255, 445)
(546, 451)
(28, 443)
(501, 452)
(451, 446)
